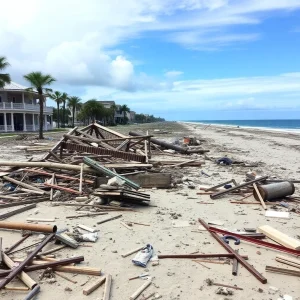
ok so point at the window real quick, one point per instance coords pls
(13, 99)
(0, 98)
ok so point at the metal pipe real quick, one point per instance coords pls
(275, 190)
(27, 226)
(33, 293)
(14, 246)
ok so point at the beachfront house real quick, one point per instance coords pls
(19, 110)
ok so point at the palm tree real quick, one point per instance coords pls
(4, 78)
(38, 82)
(64, 98)
(123, 109)
(57, 97)
(74, 104)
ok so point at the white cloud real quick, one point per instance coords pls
(173, 74)
(79, 41)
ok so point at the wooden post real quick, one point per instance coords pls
(235, 265)
(132, 251)
(107, 287)
(52, 182)
(260, 197)
(81, 178)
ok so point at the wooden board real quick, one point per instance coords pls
(279, 237)
(158, 180)
(277, 214)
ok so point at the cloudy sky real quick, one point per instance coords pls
(182, 60)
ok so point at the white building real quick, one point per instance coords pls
(19, 110)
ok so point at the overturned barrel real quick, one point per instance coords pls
(275, 190)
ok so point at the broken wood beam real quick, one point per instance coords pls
(17, 211)
(107, 287)
(25, 185)
(242, 261)
(221, 193)
(140, 290)
(259, 197)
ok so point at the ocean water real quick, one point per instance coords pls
(289, 125)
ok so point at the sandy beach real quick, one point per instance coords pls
(265, 152)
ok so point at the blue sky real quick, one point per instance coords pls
(182, 60)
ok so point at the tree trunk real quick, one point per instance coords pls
(57, 115)
(41, 136)
(73, 116)
(64, 114)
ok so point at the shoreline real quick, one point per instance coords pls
(271, 129)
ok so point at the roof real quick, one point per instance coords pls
(13, 87)
(107, 102)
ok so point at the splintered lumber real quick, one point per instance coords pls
(283, 271)
(57, 145)
(280, 237)
(195, 256)
(25, 185)
(17, 270)
(241, 260)
(132, 251)
(108, 172)
(107, 287)
(109, 219)
(88, 290)
(23, 202)
(256, 241)
(259, 196)
(27, 226)
(169, 145)
(221, 193)
(70, 167)
(288, 261)
(140, 290)
(58, 175)
(22, 276)
(16, 211)
(7, 197)
(57, 187)
(86, 215)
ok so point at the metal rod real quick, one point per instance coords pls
(256, 241)
(235, 265)
(33, 293)
(218, 194)
(193, 256)
(14, 246)
(16, 211)
(252, 270)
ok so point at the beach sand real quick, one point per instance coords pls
(270, 153)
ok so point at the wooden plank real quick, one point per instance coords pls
(107, 287)
(81, 178)
(25, 185)
(277, 214)
(260, 197)
(150, 180)
(280, 237)
(57, 187)
(88, 290)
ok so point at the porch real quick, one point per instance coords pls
(11, 122)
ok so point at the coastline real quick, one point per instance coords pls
(271, 129)
(264, 153)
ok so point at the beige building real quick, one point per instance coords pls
(19, 110)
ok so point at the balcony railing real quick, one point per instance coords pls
(23, 106)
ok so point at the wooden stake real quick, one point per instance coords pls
(88, 290)
(52, 182)
(107, 287)
(125, 225)
(260, 197)
(81, 177)
(132, 251)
